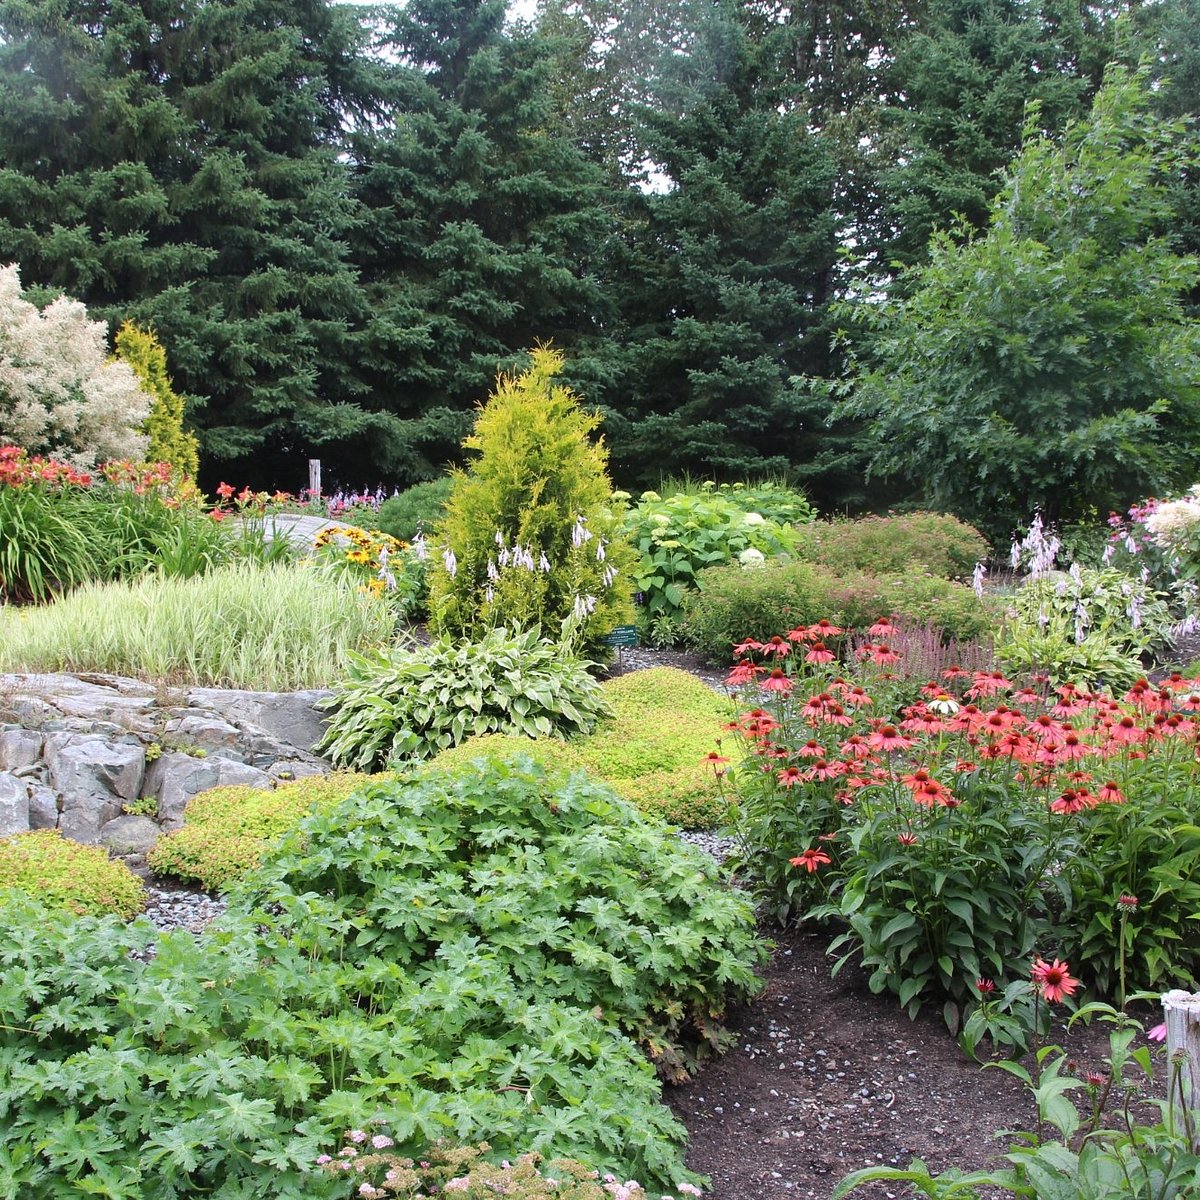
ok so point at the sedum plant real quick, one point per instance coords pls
(531, 533)
(67, 875)
(412, 702)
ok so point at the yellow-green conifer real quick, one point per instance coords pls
(169, 441)
(531, 532)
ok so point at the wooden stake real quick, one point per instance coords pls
(1182, 1010)
(314, 478)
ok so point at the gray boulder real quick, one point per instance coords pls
(14, 805)
(128, 836)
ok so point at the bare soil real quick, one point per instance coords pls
(827, 1078)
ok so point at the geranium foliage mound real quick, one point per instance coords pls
(560, 886)
(459, 956)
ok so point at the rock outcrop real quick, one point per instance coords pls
(114, 761)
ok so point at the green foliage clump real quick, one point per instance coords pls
(678, 537)
(402, 703)
(935, 543)
(456, 956)
(735, 604)
(913, 596)
(548, 881)
(170, 442)
(650, 750)
(416, 509)
(227, 830)
(1084, 627)
(270, 628)
(531, 535)
(68, 875)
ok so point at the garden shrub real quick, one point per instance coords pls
(453, 955)
(676, 538)
(550, 879)
(399, 702)
(60, 391)
(227, 830)
(936, 543)
(912, 596)
(415, 510)
(531, 534)
(169, 442)
(735, 603)
(651, 750)
(67, 875)
(272, 628)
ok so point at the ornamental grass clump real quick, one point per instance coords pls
(67, 875)
(268, 628)
(958, 825)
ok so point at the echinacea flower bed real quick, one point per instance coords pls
(949, 829)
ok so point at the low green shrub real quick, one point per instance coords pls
(227, 830)
(403, 703)
(912, 596)
(651, 750)
(277, 628)
(735, 603)
(550, 877)
(68, 875)
(678, 537)
(417, 509)
(456, 956)
(937, 543)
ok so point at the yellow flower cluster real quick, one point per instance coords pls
(365, 550)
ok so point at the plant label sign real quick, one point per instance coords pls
(623, 635)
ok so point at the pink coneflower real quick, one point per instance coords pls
(836, 715)
(883, 628)
(818, 653)
(777, 646)
(744, 648)
(906, 839)
(985, 986)
(824, 629)
(790, 776)
(810, 860)
(1127, 731)
(955, 672)
(811, 749)
(822, 770)
(855, 746)
(715, 760)
(741, 674)
(988, 683)
(1070, 801)
(1052, 979)
(888, 739)
(777, 681)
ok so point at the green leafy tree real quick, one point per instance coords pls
(532, 534)
(170, 442)
(1048, 363)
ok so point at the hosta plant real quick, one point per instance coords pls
(411, 702)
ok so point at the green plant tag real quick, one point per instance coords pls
(623, 635)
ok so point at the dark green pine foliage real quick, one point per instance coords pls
(960, 84)
(485, 225)
(177, 163)
(726, 275)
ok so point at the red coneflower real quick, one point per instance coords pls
(810, 860)
(1052, 980)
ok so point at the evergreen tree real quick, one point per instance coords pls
(179, 165)
(726, 275)
(485, 223)
(169, 441)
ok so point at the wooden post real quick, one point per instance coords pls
(314, 478)
(1182, 1010)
